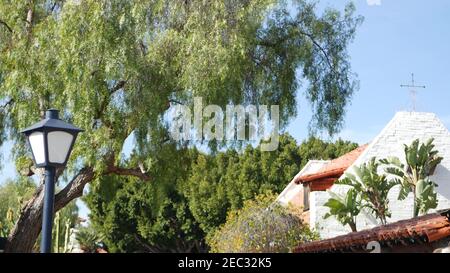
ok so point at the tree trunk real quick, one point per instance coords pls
(353, 227)
(27, 228)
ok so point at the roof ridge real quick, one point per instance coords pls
(335, 167)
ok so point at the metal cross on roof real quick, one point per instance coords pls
(412, 90)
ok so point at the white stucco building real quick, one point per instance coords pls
(308, 188)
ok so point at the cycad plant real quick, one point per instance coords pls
(421, 162)
(373, 186)
(88, 239)
(346, 208)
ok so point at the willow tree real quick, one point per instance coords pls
(114, 68)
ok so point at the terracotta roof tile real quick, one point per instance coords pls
(427, 228)
(335, 168)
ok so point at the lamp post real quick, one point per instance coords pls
(51, 141)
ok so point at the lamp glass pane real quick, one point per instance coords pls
(58, 146)
(36, 140)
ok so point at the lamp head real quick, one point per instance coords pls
(51, 140)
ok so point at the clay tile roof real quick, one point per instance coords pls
(335, 168)
(428, 228)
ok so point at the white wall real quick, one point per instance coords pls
(293, 193)
(402, 129)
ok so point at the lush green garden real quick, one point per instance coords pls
(193, 204)
(115, 68)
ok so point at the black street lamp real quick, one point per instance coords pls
(51, 141)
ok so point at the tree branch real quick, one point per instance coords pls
(53, 6)
(6, 25)
(137, 172)
(147, 247)
(8, 103)
(309, 35)
(143, 48)
(175, 101)
(99, 114)
(324, 52)
(74, 189)
(119, 85)
(30, 16)
(27, 228)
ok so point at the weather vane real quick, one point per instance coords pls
(412, 89)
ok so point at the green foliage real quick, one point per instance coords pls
(114, 67)
(315, 148)
(88, 239)
(346, 208)
(13, 195)
(260, 226)
(426, 196)
(134, 215)
(192, 193)
(372, 186)
(134, 221)
(421, 162)
(224, 181)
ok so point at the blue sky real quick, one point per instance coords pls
(398, 37)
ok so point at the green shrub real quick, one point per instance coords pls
(261, 226)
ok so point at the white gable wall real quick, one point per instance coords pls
(402, 129)
(293, 192)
